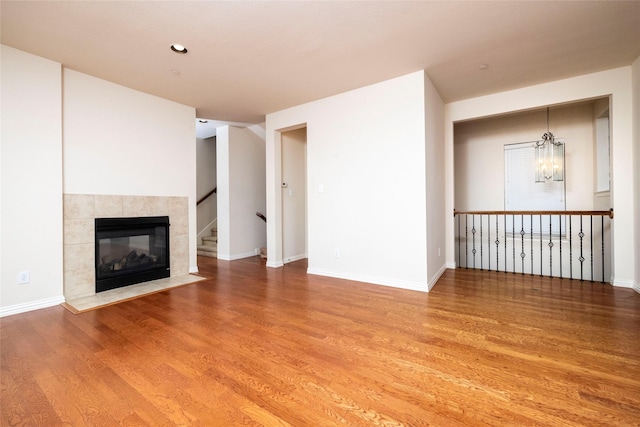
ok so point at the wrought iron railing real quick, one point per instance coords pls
(569, 244)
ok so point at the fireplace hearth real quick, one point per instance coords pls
(130, 251)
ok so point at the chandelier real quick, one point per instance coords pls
(549, 157)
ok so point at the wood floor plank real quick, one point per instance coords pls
(276, 347)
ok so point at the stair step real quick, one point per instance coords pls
(207, 250)
(208, 254)
(210, 248)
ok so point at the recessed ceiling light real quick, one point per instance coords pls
(178, 48)
(483, 67)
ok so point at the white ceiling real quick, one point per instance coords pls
(247, 59)
(206, 128)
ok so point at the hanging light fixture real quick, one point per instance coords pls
(549, 157)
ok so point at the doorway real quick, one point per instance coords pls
(294, 195)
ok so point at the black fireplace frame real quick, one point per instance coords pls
(122, 227)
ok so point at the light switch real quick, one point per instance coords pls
(320, 188)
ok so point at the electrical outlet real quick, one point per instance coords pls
(24, 277)
(337, 253)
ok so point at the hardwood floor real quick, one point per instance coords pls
(258, 346)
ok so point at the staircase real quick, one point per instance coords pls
(209, 246)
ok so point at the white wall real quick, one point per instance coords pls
(294, 196)
(435, 169)
(241, 183)
(636, 162)
(366, 183)
(207, 211)
(31, 181)
(118, 141)
(479, 154)
(617, 83)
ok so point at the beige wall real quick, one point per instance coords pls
(367, 182)
(240, 155)
(435, 169)
(122, 142)
(31, 181)
(479, 154)
(636, 162)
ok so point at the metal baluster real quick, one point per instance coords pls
(522, 254)
(489, 240)
(581, 259)
(560, 239)
(497, 244)
(591, 240)
(570, 250)
(531, 240)
(602, 244)
(473, 239)
(505, 243)
(466, 241)
(541, 271)
(550, 249)
(459, 240)
(481, 264)
(513, 240)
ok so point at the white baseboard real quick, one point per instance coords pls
(236, 256)
(620, 283)
(30, 306)
(193, 270)
(636, 287)
(413, 286)
(436, 277)
(275, 264)
(294, 258)
(451, 265)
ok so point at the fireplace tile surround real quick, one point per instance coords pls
(80, 211)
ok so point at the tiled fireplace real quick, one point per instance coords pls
(80, 212)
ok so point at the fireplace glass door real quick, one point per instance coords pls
(131, 250)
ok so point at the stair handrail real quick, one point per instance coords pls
(206, 196)
(608, 213)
